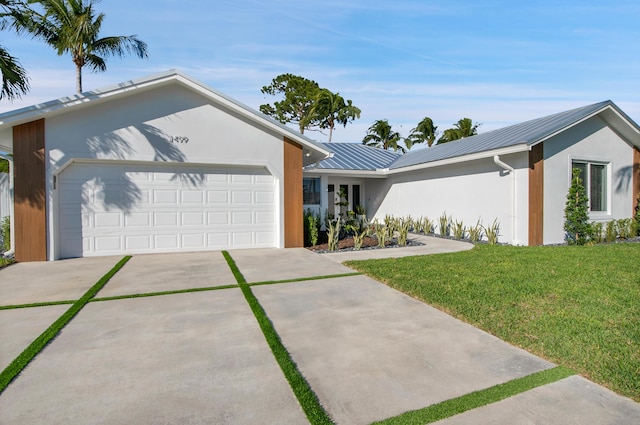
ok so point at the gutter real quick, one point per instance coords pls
(12, 228)
(512, 216)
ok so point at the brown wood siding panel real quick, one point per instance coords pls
(293, 230)
(636, 177)
(536, 195)
(29, 191)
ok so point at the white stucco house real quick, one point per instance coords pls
(160, 164)
(518, 175)
(166, 164)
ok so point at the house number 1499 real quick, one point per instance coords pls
(179, 139)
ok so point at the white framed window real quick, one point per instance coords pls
(594, 176)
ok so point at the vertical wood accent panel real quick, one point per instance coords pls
(29, 191)
(293, 219)
(536, 195)
(636, 178)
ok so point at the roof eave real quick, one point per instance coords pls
(521, 147)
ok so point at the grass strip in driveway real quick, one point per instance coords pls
(480, 398)
(306, 397)
(302, 279)
(42, 304)
(29, 353)
(156, 294)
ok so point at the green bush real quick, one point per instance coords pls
(492, 232)
(403, 230)
(358, 237)
(311, 228)
(459, 231)
(636, 216)
(611, 231)
(475, 232)
(576, 212)
(381, 231)
(333, 234)
(5, 229)
(444, 225)
(597, 229)
(626, 228)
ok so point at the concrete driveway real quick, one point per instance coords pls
(367, 351)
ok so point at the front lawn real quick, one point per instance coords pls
(578, 307)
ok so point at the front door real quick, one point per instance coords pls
(343, 197)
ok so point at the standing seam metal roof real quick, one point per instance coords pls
(355, 156)
(528, 132)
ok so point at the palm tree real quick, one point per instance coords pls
(463, 128)
(72, 26)
(380, 135)
(15, 82)
(424, 132)
(330, 109)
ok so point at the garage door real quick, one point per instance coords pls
(108, 209)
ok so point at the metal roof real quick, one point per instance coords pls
(529, 133)
(355, 156)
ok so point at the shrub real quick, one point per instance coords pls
(626, 228)
(611, 231)
(444, 225)
(576, 212)
(403, 230)
(596, 232)
(358, 238)
(459, 230)
(5, 230)
(425, 225)
(636, 216)
(311, 228)
(380, 232)
(492, 232)
(475, 232)
(333, 234)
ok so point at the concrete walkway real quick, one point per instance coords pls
(368, 351)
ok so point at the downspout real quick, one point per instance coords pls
(12, 228)
(512, 183)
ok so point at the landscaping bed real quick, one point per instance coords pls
(369, 242)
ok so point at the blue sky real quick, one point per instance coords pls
(497, 62)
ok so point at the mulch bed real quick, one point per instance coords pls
(369, 242)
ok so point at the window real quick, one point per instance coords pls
(594, 178)
(311, 190)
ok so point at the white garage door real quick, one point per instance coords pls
(107, 209)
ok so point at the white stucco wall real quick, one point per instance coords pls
(466, 191)
(140, 127)
(596, 142)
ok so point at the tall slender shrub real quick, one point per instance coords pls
(636, 216)
(5, 229)
(576, 212)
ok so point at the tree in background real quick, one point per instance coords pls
(381, 135)
(463, 128)
(425, 132)
(299, 98)
(331, 109)
(72, 26)
(15, 82)
(576, 212)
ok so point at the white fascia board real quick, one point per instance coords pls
(523, 147)
(370, 174)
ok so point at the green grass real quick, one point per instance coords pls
(29, 353)
(578, 307)
(477, 399)
(41, 304)
(306, 397)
